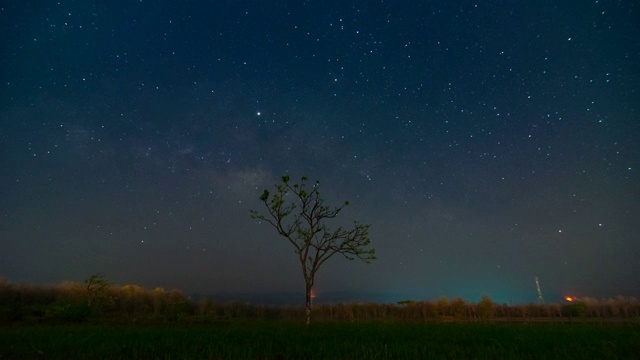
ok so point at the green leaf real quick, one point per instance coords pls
(265, 195)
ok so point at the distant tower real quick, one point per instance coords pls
(540, 299)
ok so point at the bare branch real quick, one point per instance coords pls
(303, 223)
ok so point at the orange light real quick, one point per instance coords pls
(569, 298)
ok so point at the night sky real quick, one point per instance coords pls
(485, 142)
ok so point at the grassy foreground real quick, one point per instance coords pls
(284, 340)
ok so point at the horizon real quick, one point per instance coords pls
(296, 298)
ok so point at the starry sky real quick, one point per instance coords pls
(485, 142)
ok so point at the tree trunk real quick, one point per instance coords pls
(308, 303)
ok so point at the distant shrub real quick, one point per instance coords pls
(576, 309)
(76, 313)
(458, 308)
(486, 308)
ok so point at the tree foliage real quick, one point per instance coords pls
(302, 221)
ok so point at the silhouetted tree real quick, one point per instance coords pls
(302, 222)
(96, 286)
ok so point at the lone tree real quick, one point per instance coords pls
(96, 286)
(302, 222)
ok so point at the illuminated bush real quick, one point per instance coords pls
(485, 308)
(575, 309)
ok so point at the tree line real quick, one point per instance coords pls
(96, 299)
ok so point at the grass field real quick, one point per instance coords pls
(283, 340)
